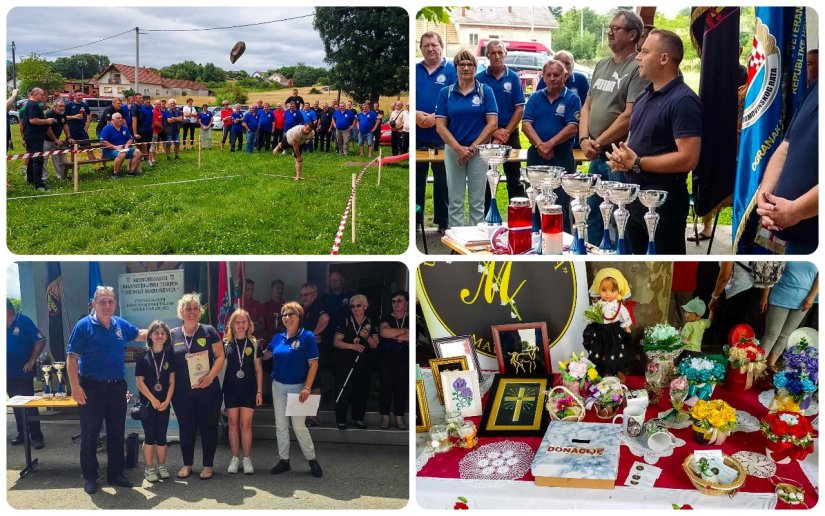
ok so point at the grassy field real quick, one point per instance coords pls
(236, 204)
(281, 95)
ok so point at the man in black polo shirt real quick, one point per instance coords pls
(297, 99)
(316, 319)
(35, 124)
(135, 115)
(787, 197)
(53, 141)
(663, 144)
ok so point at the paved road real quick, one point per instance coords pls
(355, 477)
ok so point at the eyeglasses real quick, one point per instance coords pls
(289, 314)
(615, 28)
(465, 65)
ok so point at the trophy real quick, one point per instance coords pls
(59, 391)
(579, 188)
(622, 194)
(535, 176)
(47, 381)
(652, 199)
(606, 208)
(494, 155)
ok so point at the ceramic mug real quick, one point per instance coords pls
(633, 420)
(658, 437)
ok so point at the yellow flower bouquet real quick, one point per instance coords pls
(713, 421)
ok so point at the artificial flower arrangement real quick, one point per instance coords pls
(803, 358)
(746, 360)
(793, 391)
(713, 421)
(661, 343)
(579, 373)
(607, 396)
(702, 373)
(563, 405)
(790, 436)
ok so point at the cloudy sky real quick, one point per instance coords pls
(270, 45)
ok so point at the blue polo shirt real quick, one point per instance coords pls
(343, 119)
(174, 127)
(366, 121)
(73, 108)
(292, 119)
(101, 351)
(114, 136)
(146, 114)
(548, 118)
(290, 357)
(310, 116)
(507, 89)
(427, 88)
(21, 337)
(577, 83)
(237, 128)
(205, 118)
(466, 114)
(794, 285)
(657, 120)
(251, 121)
(265, 120)
(800, 171)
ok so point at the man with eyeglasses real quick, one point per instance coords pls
(431, 75)
(316, 319)
(226, 118)
(95, 358)
(663, 144)
(605, 115)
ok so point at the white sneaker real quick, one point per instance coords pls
(233, 465)
(150, 474)
(247, 466)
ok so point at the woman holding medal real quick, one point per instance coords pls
(197, 359)
(295, 364)
(242, 386)
(355, 338)
(155, 380)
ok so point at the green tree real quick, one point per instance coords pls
(435, 14)
(81, 66)
(580, 32)
(187, 70)
(680, 24)
(35, 72)
(232, 92)
(212, 73)
(369, 59)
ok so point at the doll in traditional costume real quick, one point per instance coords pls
(607, 338)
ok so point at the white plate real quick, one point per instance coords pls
(810, 334)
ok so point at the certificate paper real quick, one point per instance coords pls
(308, 408)
(198, 366)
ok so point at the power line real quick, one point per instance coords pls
(178, 30)
(232, 26)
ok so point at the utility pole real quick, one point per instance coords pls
(137, 60)
(13, 66)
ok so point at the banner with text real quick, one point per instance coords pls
(146, 296)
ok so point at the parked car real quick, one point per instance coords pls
(515, 46)
(521, 61)
(386, 132)
(14, 117)
(217, 123)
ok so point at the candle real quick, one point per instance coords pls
(467, 431)
(438, 433)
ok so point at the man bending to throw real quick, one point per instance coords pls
(296, 137)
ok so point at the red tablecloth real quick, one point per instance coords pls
(445, 465)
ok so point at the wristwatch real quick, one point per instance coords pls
(637, 168)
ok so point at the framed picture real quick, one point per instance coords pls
(522, 349)
(515, 407)
(461, 392)
(439, 365)
(422, 412)
(458, 346)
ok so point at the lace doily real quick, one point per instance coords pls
(505, 460)
(676, 422)
(638, 447)
(756, 464)
(423, 458)
(766, 397)
(745, 422)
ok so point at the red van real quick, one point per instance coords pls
(521, 46)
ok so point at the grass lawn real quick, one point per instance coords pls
(236, 204)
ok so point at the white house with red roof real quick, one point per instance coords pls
(117, 78)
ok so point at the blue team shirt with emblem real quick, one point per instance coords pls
(508, 91)
(366, 121)
(237, 128)
(251, 121)
(292, 119)
(265, 120)
(548, 118)
(101, 351)
(290, 357)
(21, 337)
(115, 136)
(466, 114)
(343, 119)
(427, 88)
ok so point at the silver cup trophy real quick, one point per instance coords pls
(579, 188)
(652, 199)
(494, 155)
(47, 381)
(606, 209)
(59, 390)
(536, 176)
(622, 194)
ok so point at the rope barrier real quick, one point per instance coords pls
(339, 235)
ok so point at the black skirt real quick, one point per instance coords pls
(608, 347)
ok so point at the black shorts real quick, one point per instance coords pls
(233, 399)
(146, 137)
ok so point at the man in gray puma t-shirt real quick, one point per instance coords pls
(605, 115)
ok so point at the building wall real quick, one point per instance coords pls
(505, 33)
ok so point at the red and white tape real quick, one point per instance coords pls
(339, 236)
(27, 155)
